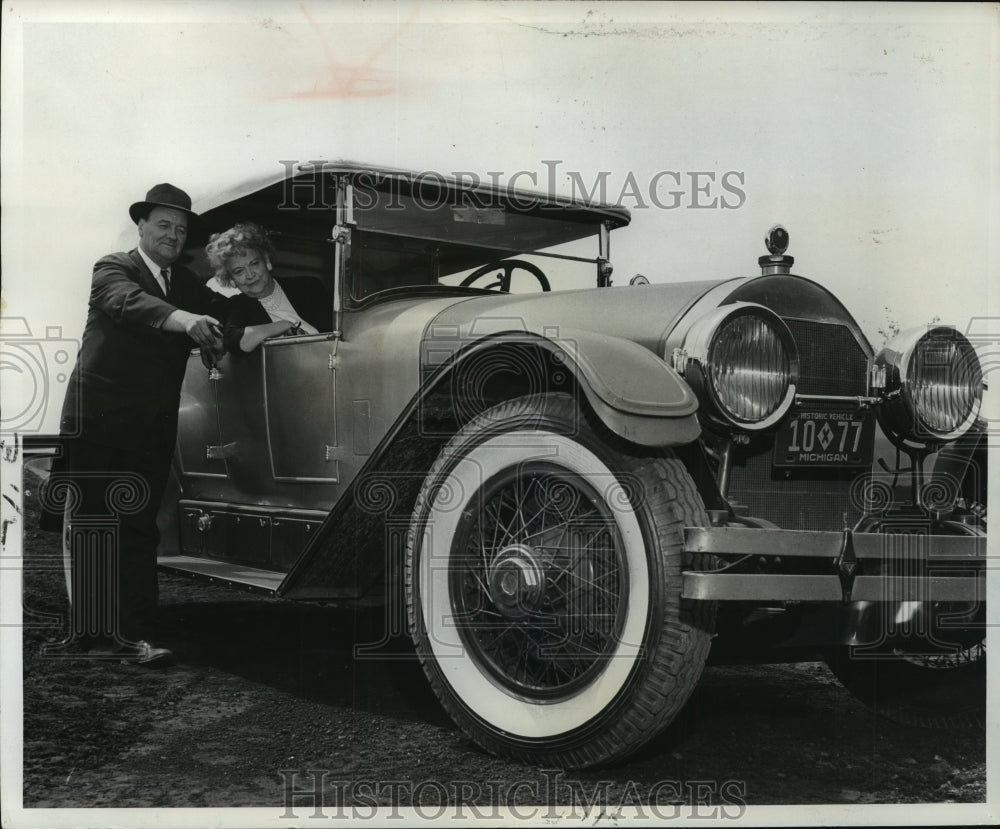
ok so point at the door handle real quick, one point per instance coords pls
(217, 453)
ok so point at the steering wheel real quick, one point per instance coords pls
(506, 269)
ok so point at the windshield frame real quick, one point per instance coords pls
(455, 231)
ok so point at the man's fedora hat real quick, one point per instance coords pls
(163, 195)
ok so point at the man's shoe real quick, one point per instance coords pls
(145, 654)
(68, 648)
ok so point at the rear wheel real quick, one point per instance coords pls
(543, 586)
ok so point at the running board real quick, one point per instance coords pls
(224, 572)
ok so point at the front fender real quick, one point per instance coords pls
(636, 395)
(961, 466)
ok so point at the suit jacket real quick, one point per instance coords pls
(125, 387)
(308, 297)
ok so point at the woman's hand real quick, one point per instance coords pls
(254, 335)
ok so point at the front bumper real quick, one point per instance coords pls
(911, 566)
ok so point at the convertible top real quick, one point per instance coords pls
(299, 188)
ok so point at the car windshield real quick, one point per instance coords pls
(440, 238)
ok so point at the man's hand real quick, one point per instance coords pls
(203, 329)
(211, 356)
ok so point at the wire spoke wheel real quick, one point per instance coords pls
(543, 578)
(947, 661)
(539, 581)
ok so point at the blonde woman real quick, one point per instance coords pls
(265, 307)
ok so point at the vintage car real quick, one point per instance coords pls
(569, 492)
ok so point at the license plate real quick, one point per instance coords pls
(827, 439)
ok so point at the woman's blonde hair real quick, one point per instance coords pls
(239, 239)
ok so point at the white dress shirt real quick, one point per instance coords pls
(155, 269)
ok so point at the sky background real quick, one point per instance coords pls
(869, 132)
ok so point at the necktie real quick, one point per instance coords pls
(165, 274)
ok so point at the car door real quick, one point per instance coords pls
(300, 394)
(278, 421)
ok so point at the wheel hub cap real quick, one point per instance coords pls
(517, 581)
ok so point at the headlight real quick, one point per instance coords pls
(742, 361)
(933, 384)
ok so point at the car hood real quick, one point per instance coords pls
(644, 314)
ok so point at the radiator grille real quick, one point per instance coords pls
(804, 500)
(832, 362)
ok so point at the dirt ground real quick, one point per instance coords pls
(264, 689)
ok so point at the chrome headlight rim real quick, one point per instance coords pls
(701, 372)
(900, 411)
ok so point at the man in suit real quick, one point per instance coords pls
(119, 425)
